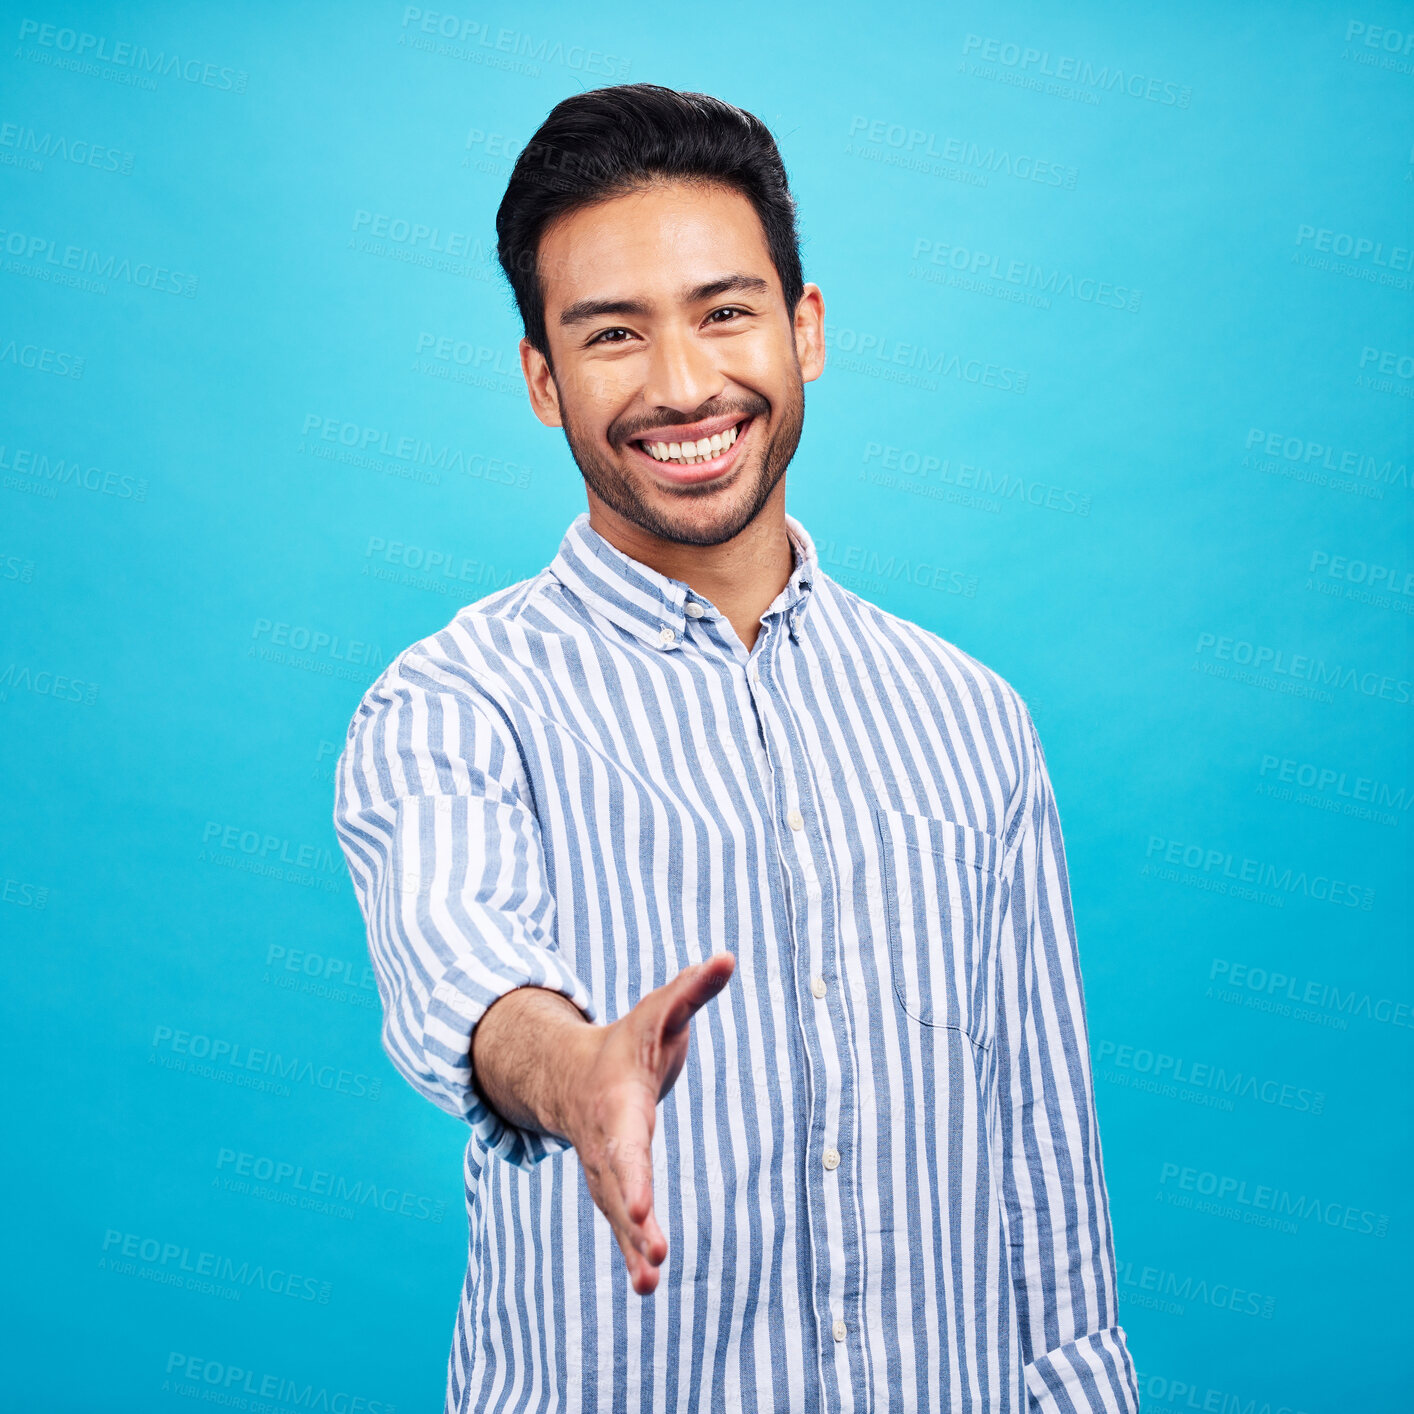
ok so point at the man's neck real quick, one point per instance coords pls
(741, 576)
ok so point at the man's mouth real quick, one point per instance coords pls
(689, 461)
(690, 453)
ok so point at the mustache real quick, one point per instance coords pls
(631, 432)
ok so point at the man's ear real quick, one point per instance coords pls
(540, 384)
(809, 332)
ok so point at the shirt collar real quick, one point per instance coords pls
(652, 606)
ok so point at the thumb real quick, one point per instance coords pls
(692, 989)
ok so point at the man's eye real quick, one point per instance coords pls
(604, 335)
(726, 309)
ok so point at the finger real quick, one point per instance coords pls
(630, 1158)
(607, 1193)
(620, 1176)
(657, 1244)
(633, 1259)
(642, 1269)
(693, 988)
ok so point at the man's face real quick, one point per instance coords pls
(667, 326)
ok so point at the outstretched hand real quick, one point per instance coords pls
(612, 1102)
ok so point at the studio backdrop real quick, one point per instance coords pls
(1118, 400)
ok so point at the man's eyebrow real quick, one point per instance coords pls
(581, 311)
(727, 284)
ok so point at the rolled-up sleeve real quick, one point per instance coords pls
(434, 817)
(1057, 1208)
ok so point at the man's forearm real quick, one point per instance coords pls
(525, 1051)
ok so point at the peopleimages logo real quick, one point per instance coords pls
(425, 460)
(429, 566)
(984, 265)
(868, 562)
(19, 677)
(1373, 580)
(1298, 673)
(44, 256)
(462, 37)
(402, 230)
(23, 895)
(921, 149)
(65, 471)
(1282, 990)
(23, 146)
(1356, 247)
(174, 1264)
(1186, 1394)
(83, 51)
(1336, 781)
(219, 1382)
(320, 1190)
(210, 1052)
(272, 848)
(1309, 455)
(1205, 1075)
(1267, 1198)
(898, 361)
(1221, 864)
(1071, 69)
(1002, 486)
(57, 362)
(1166, 1291)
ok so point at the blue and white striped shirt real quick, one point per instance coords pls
(879, 1172)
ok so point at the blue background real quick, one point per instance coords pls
(251, 449)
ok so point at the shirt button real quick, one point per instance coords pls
(818, 986)
(666, 636)
(839, 1331)
(832, 1158)
(795, 820)
(694, 611)
(754, 672)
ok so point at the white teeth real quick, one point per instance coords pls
(690, 453)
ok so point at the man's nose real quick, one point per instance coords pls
(682, 374)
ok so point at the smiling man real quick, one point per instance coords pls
(680, 773)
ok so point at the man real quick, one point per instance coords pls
(683, 773)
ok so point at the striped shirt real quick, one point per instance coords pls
(879, 1172)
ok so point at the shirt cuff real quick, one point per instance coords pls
(457, 1003)
(1092, 1375)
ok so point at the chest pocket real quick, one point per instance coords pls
(942, 910)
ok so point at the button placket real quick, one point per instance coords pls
(829, 1081)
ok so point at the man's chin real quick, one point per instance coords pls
(707, 517)
(709, 514)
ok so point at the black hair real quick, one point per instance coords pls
(608, 142)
